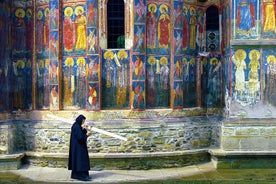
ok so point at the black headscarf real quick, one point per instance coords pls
(80, 118)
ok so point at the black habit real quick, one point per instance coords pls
(78, 154)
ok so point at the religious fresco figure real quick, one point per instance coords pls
(53, 47)
(177, 41)
(40, 30)
(204, 81)
(178, 15)
(4, 90)
(239, 61)
(40, 83)
(151, 83)
(185, 29)
(189, 82)
(18, 86)
(245, 17)
(19, 31)
(178, 69)
(138, 71)
(200, 38)
(53, 72)
(151, 26)
(46, 82)
(68, 30)
(214, 82)
(46, 29)
(93, 97)
(81, 83)
(269, 19)
(139, 39)
(253, 75)
(92, 13)
(164, 73)
(93, 70)
(29, 30)
(54, 15)
(178, 94)
(54, 97)
(192, 26)
(122, 70)
(164, 83)
(28, 85)
(80, 23)
(140, 11)
(164, 27)
(92, 41)
(109, 79)
(270, 81)
(68, 82)
(138, 95)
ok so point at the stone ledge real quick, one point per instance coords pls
(11, 161)
(135, 161)
(243, 159)
(223, 153)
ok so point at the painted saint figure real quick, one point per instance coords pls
(185, 35)
(164, 27)
(270, 81)
(46, 28)
(80, 28)
(240, 65)
(68, 30)
(122, 78)
(253, 75)
(19, 30)
(40, 30)
(69, 82)
(81, 83)
(245, 17)
(193, 23)
(269, 16)
(151, 26)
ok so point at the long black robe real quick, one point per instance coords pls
(78, 153)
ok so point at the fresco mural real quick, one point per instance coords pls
(268, 19)
(178, 83)
(161, 68)
(140, 11)
(157, 82)
(189, 81)
(115, 79)
(246, 18)
(21, 86)
(5, 49)
(74, 27)
(269, 76)
(246, 68)
(43, 89)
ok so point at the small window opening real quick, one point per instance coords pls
(116, 24)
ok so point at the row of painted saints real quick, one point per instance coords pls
(247, 85)
(77, 36)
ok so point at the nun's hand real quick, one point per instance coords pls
(88, 133)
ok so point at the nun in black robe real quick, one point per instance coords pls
(78, 153)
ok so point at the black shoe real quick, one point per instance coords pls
(85, 179)
(88, 178)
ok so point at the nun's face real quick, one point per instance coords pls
(83, 121)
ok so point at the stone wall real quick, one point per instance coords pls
(145, 135)
(249, 134)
